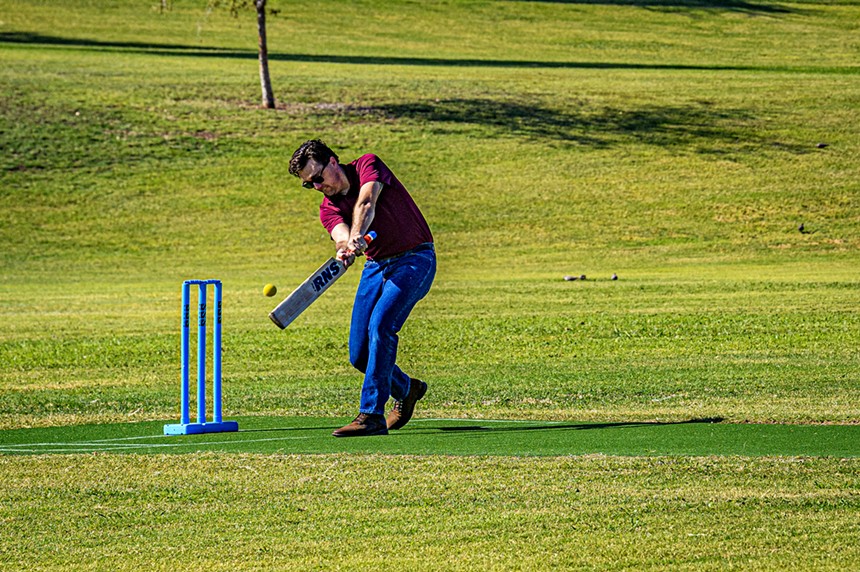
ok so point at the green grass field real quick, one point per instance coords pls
(677, 143)
(312, 435)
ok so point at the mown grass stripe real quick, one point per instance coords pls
(43, 42)
(456, 437)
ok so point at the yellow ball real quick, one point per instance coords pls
(270, 290)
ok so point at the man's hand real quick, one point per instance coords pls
(346, 256)
(349, 248)
(344, 253)
(357, 244)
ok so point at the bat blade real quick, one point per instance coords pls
(305, 295)
(311, 289)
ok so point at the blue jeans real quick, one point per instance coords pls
(386, 294)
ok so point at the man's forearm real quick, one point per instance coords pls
(340, 236)
(362, 216)
(365, 208)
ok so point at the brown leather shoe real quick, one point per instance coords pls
(362, 426)
(402, 411)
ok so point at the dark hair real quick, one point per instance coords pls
(313, 149)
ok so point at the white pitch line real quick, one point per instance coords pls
(52, 450)
(112, 444)
(157, 436)
(118, 446)
(92, 441)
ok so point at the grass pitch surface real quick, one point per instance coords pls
(304, 435)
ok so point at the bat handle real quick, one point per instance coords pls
(368, 238)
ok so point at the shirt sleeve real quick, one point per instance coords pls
(330, 215)
(371, 168)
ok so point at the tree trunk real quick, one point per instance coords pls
(265, 80)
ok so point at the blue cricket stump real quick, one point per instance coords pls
(217, 425)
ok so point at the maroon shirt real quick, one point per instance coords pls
(398, 223)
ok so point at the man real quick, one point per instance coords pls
(401, 263)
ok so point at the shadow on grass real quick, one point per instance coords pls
(31, 38)
(575, 426)
(185, 50)
(725, 5)
(697, 125)
(280, 429)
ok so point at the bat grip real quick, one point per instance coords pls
(368, 238)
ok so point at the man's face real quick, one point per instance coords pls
(319, 176)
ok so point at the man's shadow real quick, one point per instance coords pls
(575, 426)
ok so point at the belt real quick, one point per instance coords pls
(419, 248)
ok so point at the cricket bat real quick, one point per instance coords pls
(311, 289)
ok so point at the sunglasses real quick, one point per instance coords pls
(316, 179)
